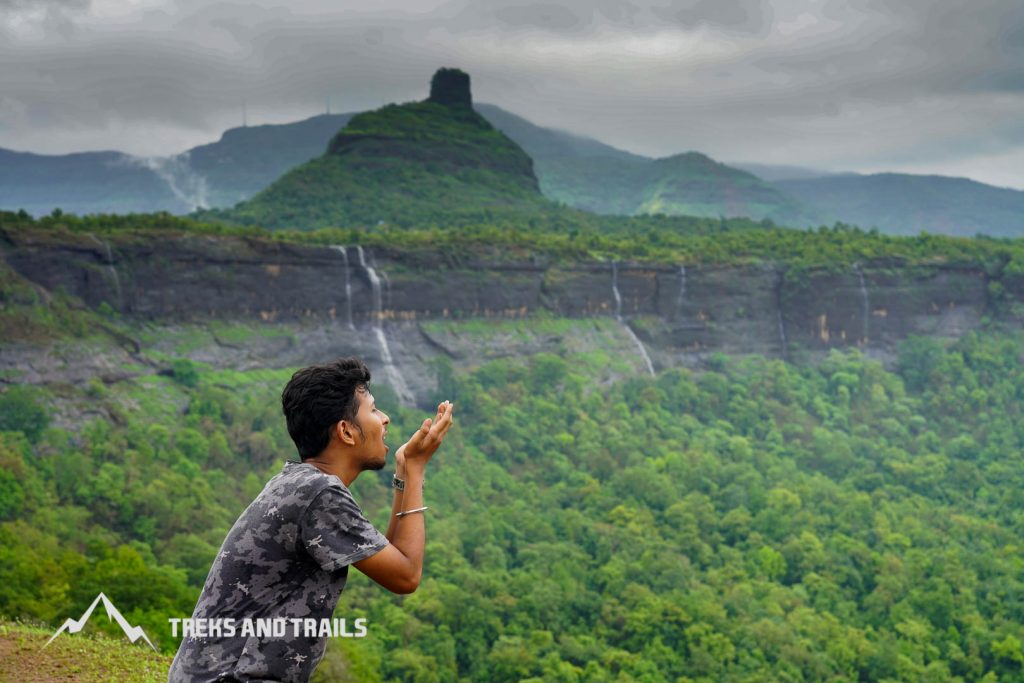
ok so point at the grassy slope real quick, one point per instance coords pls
(78, 657)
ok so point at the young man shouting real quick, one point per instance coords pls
(286, 558)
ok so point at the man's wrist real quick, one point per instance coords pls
(398, 483)
(413, 471)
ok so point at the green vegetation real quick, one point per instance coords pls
(577, 172)
(572, 237)
(85, 658)
(756, 522)
(29, 313)
(402, 164)
(424, 163)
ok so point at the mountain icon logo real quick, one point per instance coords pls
(76, 625)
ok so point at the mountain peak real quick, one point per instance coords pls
(450, 87)
(405, 164)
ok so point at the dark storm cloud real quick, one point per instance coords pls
(899, 49)
(740, 15)
(215, 59)
(835, 82)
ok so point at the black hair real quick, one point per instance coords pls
(318, 397)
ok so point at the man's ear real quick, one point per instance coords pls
(346, 432)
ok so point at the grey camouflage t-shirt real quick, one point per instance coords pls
(287, 556)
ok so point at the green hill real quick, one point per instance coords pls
(589, 175)
(696, 185)
(425, 162)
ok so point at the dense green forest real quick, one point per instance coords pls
(757, 521)
(754, 521)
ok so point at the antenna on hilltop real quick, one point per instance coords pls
(245, 118)
(328, 105)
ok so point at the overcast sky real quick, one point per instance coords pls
(923, 86)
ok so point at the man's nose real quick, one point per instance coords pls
(387, 420)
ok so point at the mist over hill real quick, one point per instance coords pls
(88, 182)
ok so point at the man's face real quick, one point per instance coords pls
(373, 423)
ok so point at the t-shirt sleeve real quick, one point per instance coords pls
(335, 533)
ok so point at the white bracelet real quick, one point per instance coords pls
(409, 512)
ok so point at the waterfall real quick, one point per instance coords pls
(681, 299)
(618, 316)
(387, 288)
(390, 371)
(111, 270)
(778, 311)
(348, 286)
(866, 310)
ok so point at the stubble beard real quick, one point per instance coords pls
(377, 464)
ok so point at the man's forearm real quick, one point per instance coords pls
(396, 506)
(408, 532)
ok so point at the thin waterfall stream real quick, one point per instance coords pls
(111, 270)
(390, 370)
(618, 316)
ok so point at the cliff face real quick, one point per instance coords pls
(679, 313)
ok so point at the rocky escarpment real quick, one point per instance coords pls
(675, 314)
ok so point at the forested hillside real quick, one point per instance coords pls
(755, 520)
(424, 162)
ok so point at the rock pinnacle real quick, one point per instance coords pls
(450, 87)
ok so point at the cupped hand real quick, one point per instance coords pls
(417, 451)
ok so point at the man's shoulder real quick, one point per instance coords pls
(297, 485)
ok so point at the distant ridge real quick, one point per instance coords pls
(574, 170)
(775, 172)
(84, 182)
(903, 204)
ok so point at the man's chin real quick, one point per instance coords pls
(376, 464)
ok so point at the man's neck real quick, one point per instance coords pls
(334, 466)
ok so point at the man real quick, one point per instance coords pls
(287, 556)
